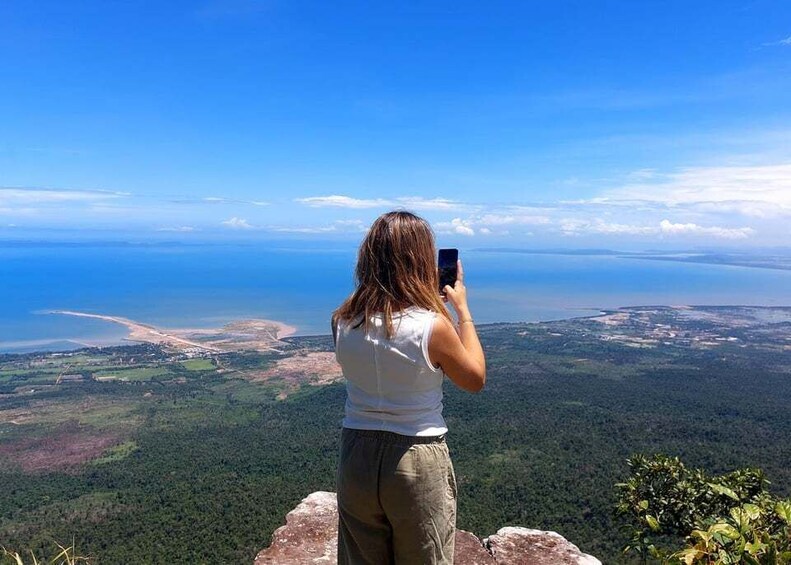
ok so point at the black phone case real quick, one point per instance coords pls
(448, 269)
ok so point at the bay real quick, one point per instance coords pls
(200, 286)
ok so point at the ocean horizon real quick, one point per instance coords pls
(300, 283)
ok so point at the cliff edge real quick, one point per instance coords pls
(311, 532)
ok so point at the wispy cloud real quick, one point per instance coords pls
(412, 202)
(715, 203)
(352, 224)
(178, 229)
(348, 226)
(318, 229)
(753, 191)
(781, 42)
(12, 196)
(418, 203)
(669, 228)
(575, 227)
(217, 200)
(664, 228)
(511, 216)
(339, 201)
(750, 203)
(497, 220)
(238, 224)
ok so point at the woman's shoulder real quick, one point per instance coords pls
(415, 312)
(408, 319)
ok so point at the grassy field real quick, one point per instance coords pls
(134, 373)
(198, 365)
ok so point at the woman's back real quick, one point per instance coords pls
(391, 383)
(396, 485)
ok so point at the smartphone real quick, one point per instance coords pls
(447, 262)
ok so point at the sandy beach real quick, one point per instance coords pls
(257, 334)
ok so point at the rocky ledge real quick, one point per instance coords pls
(311, 532)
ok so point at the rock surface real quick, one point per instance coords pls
(534, 547)
(311, 533)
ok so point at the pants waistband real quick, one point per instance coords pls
(394, 438)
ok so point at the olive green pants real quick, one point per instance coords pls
(396, 500)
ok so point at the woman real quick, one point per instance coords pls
(394, 341)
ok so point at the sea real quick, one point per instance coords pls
(300, 283)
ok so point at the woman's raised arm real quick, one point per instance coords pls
(458, 353)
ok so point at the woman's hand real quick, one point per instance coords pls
(457, 294)
(457, 350)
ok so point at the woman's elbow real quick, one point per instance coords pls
(471, 378)
(477, 382)
(476, 388)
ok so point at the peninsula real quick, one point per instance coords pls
(254, 334)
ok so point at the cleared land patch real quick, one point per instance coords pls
(68, 447)
(315, 367)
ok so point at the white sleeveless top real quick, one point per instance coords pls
(390, 383)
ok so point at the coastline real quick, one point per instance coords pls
(259, 334)
(138, 331)
(283, 329)
(266, 335)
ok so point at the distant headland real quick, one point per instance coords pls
(254, 334)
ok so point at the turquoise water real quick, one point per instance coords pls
(205, 286)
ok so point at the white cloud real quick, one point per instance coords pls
(492, 223)
(575, 227)
(348, 226)
(580, 227)
(223, 200)
(667, 227)
(322, 229)
(455, 226)
(238, 224)
(40, 196)
(786, 41)
(353, 225)
(757, 191)
(419, 203)
(499, 219)
(180, 229)
(413, 202)
(737, 203)
(338, 201)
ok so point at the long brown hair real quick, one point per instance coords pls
(395, 269)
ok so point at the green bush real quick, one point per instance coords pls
(722, 520)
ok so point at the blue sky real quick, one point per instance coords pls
(529, 124)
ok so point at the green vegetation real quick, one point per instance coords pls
(64, 556)
(727, 519)
(116, 453)
(133, 374)
(199, 465)
(198, 365)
